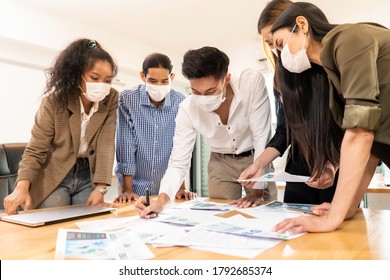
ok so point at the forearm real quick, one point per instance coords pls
(354, 164)
(163, 198)
(23, 185)
(266, 157)
(127, 183)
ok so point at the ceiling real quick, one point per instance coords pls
(174, 26)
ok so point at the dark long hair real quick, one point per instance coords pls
(308, 117)
(63, 79)
(319, 25)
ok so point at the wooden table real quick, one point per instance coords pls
(366, 236)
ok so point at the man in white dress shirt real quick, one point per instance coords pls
(233, 116)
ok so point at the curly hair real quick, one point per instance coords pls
(63, 79)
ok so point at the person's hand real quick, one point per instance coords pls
(147, 212)
(252, 171)
(96, 198)
(323, 221)
(325, 180)
(19, 197)
(126, 196)
(255, 198)
(187, 195)
(321, 209)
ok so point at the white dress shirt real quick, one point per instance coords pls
(83, 148)
(248, 127)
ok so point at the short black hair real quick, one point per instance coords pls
(157, 60)
(204, 62)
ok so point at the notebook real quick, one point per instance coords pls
(51, 216)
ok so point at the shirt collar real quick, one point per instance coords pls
(94, 108)
(236, 89)
(145, 100)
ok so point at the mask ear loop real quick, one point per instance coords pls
(292, 31)
(223, 98)
(304, 40)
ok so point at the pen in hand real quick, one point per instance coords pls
(147, 203)
(147, 197)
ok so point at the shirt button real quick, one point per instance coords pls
(234, 140)
(235, 149)
(229, 127)
(219, 123)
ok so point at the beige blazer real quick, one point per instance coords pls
(54, 144)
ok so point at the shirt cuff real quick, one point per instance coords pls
(125, 169)
(362, 116)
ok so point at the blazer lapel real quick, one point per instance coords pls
(75, 122)
(96, 121)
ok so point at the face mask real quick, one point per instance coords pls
(96, 92)
(295, 63)
(158, 93)
(209, 103)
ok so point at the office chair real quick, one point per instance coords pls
(10, 156)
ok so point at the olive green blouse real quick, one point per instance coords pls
(356, 58)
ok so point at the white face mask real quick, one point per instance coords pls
(96, 92)
(158, 93)
(209, 103)
(295, 63)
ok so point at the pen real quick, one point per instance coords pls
(147, 197)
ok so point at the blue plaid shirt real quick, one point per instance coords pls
(144, 137)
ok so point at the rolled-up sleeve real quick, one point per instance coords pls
(349, 56)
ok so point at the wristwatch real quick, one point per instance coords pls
(101, 190)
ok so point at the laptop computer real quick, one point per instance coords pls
(51, 216)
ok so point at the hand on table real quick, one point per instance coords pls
(323, 221)
(187, 195)
(126, 196)
(253, 199)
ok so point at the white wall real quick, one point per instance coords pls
(27, 49)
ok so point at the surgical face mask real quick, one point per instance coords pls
(158, 93)
(96, 92)
(209, 103)
(295, 63)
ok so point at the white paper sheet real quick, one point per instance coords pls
(95, 245)
(202, 204)
(210, 239)
(187, 217)
(280, 177)
(239, 225)
(110, 224)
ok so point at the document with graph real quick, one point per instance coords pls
(99, 245)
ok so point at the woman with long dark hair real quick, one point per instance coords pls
(303, 127)
(356, 58)
(70, 155)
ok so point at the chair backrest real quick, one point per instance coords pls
(10, 156)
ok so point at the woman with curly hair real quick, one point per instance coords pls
(70, 155)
